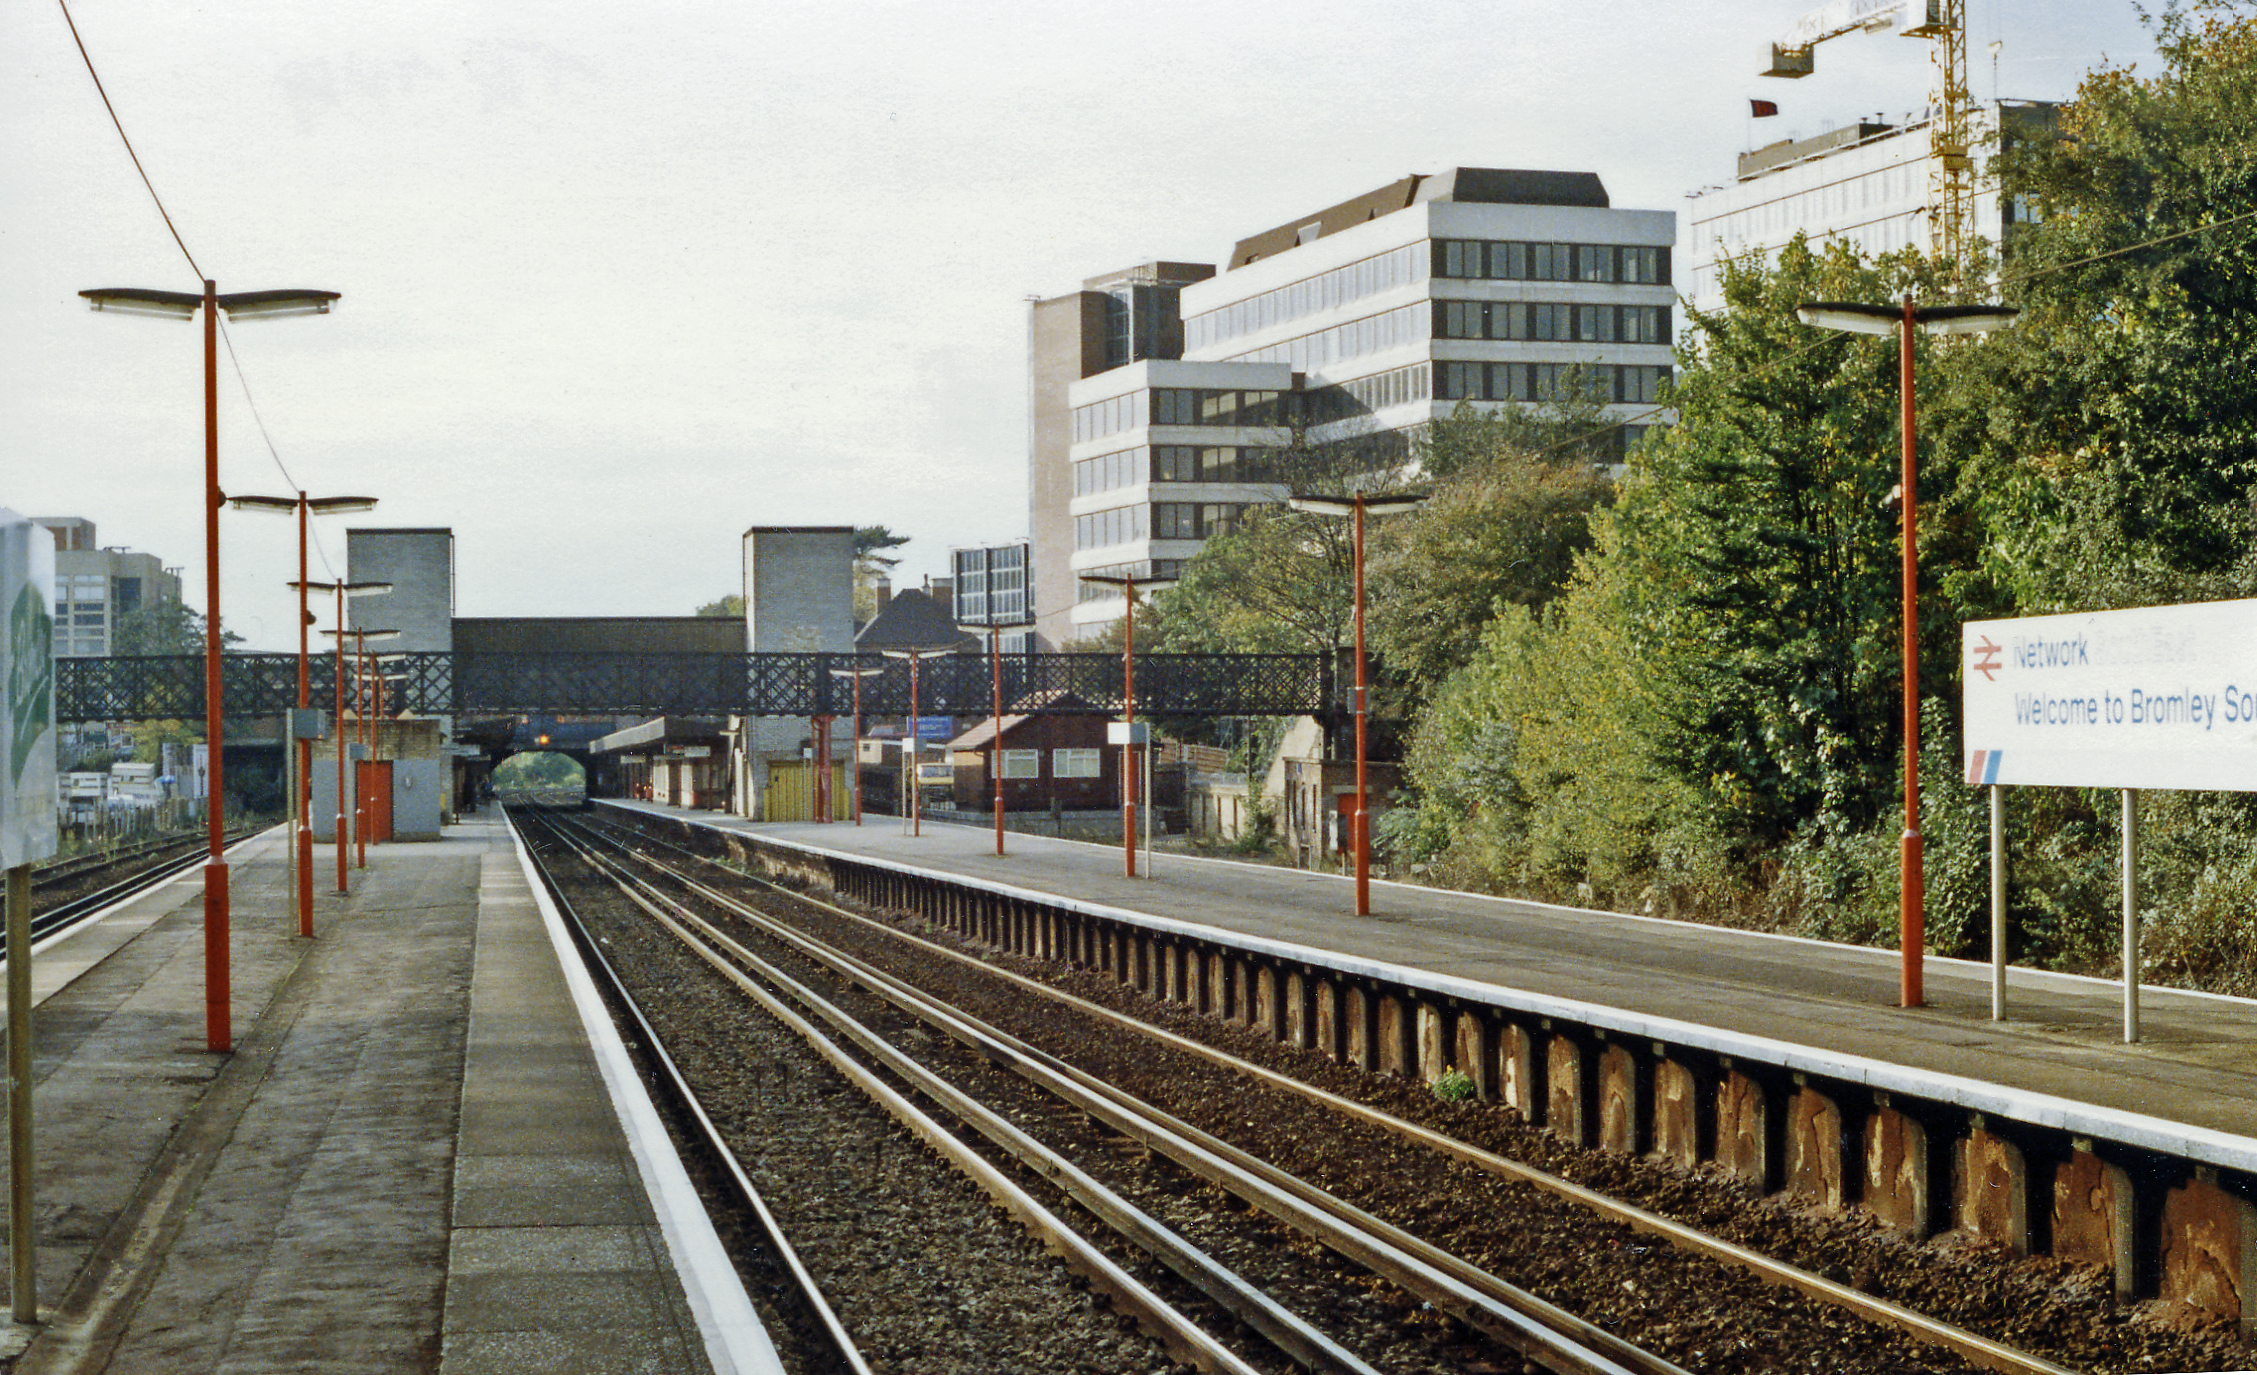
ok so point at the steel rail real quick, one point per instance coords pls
(1973, 1347)
(62, 916)
(1184, 1340)
(810, 1294)
(1537, 1329)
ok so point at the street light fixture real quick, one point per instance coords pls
(337, 721)
(182, 305)
(1128, 583)
(301, 799)
(911, 748)
(1902, 320)
(1356, 507)
(361, 637)
(857, 675)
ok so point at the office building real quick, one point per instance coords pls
(1872, 185)
(97, 589)
(1361, 322)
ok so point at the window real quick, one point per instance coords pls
(1395, 268)
(1017, 763)
(1194, 520)
(1175, 406)
(1109, 472)
(1110, 416)
(1551, 262)
(1102, 529)
(1076, 764)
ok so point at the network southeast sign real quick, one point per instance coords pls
(2156, 697)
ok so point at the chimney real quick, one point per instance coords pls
(885, 591)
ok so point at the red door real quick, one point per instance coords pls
(375, 778)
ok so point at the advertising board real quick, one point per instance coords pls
(28, 829)
(2151, 697)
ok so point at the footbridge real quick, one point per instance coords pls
(709, 684)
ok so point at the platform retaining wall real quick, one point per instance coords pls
(2163, 1224)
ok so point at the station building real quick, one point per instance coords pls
(1159, 395)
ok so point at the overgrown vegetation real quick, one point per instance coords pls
(1679, 693)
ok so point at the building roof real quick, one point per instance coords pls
(1484, 185)
(912, 620)
(1026, 708)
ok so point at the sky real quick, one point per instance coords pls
(620, 282)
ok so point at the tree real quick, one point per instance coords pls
(730, 607)
(164, 627)
(1278, 582)
(1503, 528)
(871, 563)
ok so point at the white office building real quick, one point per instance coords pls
(1869, 184)
(1372, 317)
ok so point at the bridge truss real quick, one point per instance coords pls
(784, 685)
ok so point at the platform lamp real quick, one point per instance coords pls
(360, 640)
(995, 746)
(856, 675)
(912, 750)
(337, 720)
(1902, 320)
(183, 305)
(1356, 507)
(1128, 583)
(301, 799)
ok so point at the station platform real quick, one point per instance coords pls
(422, 1154)
(2187, 1088)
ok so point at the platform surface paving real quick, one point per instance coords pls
(2196, 1063)
(408, 1163)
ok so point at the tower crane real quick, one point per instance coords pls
(1951, 177)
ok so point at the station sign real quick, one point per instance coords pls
(2152, 697)
(936, 728)
(29, 829)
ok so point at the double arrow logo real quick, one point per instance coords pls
(1986, 659)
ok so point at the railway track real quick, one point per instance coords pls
(1743, 1311)
(65, 893)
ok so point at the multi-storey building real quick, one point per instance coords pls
(97, 588)
(1365, 320)
(1868, 184)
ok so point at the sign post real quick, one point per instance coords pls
(2152, 697)
(28, 832)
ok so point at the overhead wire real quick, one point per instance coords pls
(234, 361)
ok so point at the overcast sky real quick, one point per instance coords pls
(623, 280)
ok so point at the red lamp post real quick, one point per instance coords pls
(301, 800)
(360, 638)
(995, 746)
(911, 750)
(856, 675)
(183, 305)
(1356, 507)
(337, 717)
(1902, 320)
(1128, 583)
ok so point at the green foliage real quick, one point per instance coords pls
(164, 627)
(151, 737)
(1279, 583)
(1453, 1085)
(1504, 527)
(542, 769)
(730, 607)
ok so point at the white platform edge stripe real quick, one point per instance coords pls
(2040, 1109)
(735, 1339)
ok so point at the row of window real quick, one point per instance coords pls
(1177, 406)
(1169, 463)
(1104, 529)
(1398, 387)
(1195, 519)
(1551, 262)
(1082, 763)
(1551, 320)
(991, 584)
(1372, 334)
(1626, 383)
(1326, 291)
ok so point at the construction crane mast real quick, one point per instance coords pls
(1951, 171)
